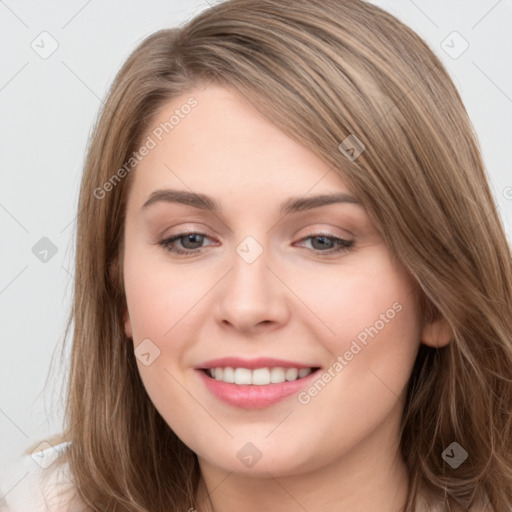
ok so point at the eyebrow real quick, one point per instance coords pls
(204, 202)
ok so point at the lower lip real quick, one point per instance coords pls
(251, 396)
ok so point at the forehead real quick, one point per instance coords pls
(224, 147)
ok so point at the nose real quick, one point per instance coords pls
(253, 297)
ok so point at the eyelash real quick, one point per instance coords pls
(343, 245)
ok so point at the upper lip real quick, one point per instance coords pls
(260, 362)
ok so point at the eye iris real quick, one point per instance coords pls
(323, 244)
(190, 238)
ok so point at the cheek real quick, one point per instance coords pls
(158, 299)
(385, 314)
(370, 320)
(373, 338)
(159, 305)
(360, 292)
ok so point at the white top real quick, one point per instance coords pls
(45, 486)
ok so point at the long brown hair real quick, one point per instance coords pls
(321, 70)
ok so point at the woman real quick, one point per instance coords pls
(340, 336)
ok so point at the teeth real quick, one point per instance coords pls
(303, 372)
(242, 376)
(277, 375)
(258, 376)
(291, 373)
(228, 375)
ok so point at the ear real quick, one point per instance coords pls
(437, 333)
(127, 324)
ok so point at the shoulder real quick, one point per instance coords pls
(46, 484)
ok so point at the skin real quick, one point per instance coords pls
(339, 451)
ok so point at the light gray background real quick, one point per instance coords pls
(47, 108)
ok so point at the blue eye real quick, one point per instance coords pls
(333, 244)
(326, 244)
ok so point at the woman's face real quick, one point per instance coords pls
(309, 286)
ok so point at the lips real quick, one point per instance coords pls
(255, 394)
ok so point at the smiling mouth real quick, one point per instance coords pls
(258, 376)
